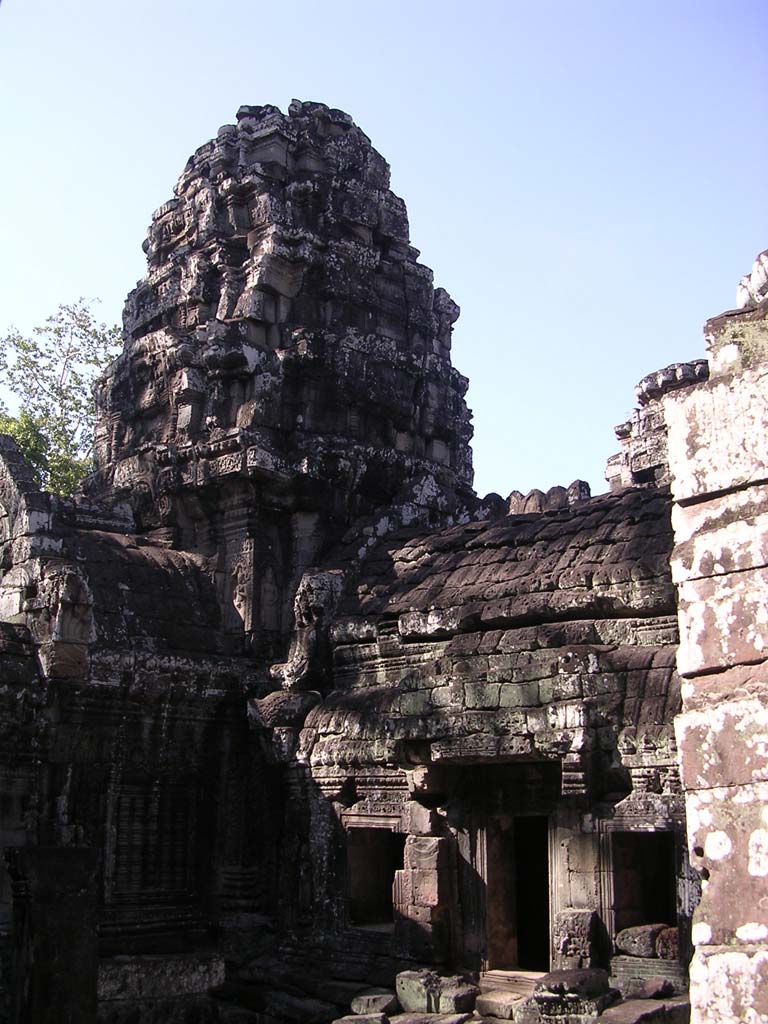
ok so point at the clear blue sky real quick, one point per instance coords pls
(585, 178)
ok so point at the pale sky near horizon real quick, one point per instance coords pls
(585, 178)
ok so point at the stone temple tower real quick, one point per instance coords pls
(286, 389)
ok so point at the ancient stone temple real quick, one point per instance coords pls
(297, 727)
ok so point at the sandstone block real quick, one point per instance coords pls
(668, 944)
(456, 996)
(584, 983)
(375, 1000)
(717, 435)
(576, 935)
(363, 1018)
(425, 991)
(417, 990)
(499, 1004)
(646, 988)
(425, 853)
(519, 695)
(640, 940)
(722, 621)
(425, 886)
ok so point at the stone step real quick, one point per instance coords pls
(520, 983)
(624, 968)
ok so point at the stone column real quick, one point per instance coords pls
(718, 453)
(422, 896)
(54, 917)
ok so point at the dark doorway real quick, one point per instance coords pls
(644, 890)
(373, 857)
(517, 893)
(532, 885)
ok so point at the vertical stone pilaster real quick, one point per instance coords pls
(718, 452)
(422, 896)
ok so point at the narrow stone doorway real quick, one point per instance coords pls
(517, 893)
(532, 861)
(504, 816)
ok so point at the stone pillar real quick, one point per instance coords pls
(54, 917)
(718, 453)
(422, 896)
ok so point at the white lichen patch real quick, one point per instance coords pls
(726, 987)
(701, 933)
(717, 845)
(752, 931)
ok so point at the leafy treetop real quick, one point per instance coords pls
(52, 374)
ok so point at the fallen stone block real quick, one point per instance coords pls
(425, 991)
(585, 982)
(499, 1004)
(646, 988)
(375, 1000)
(574, 993)
(668, 944)
(456, 996)
(417, 991)
(576, 939)
(640, 940)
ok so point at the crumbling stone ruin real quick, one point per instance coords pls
(297, 728)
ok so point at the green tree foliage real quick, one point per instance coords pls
(52, 374)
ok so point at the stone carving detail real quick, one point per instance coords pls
(643, 457)
(316, 600)
(577, 939)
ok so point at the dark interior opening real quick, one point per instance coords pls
(373, 857)
(644, 878)
(517, 894)
(532, 891)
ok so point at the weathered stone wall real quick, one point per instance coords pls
(719, 466)
(484, 673)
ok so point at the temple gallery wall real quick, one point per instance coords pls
(296, 727)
